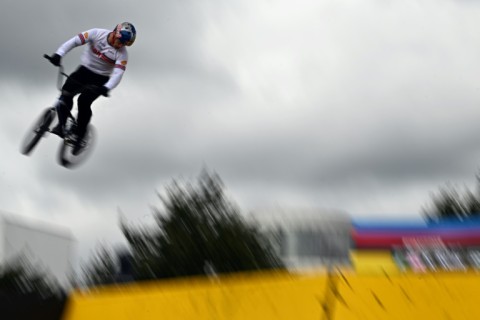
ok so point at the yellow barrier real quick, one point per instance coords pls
(409, 296)
(263, 296)
(338, 296)
(373, 262)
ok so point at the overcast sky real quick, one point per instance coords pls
(366, 107)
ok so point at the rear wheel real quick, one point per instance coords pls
(70, 157)
(37, 131)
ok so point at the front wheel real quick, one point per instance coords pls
(69, 157)
(37, 131)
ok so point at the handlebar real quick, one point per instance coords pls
(46, 56)
(49, 58)
(60, 72)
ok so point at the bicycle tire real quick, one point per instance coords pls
(67, 159)
(37, 130)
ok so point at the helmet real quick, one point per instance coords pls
(125, 32)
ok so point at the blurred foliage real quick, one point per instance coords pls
(453, 202)
(200, 231)
(100, 269)
(20, 279)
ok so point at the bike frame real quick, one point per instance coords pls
(66, 156)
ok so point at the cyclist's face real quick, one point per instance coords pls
(117, 44)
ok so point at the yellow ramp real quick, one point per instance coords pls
(408, 296)
(373, 262)
(265, 296)
(340, 296)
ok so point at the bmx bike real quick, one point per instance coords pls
(69, 153)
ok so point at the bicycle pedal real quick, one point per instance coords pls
(69, 142)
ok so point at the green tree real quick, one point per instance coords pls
(19, 279)
(27, 292)
(452, 202)
(100, 269)
(200, 231)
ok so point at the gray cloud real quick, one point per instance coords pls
(366, 108)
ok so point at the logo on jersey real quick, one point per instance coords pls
(85, 35)
(124, 63)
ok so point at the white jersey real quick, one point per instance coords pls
(99, 56)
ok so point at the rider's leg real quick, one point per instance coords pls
(64, 106)
(71, 87)
(85, 101)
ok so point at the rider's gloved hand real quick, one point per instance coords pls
(56, 59)
(100, 90)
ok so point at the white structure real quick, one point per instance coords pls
(48, 249)
(307, 238)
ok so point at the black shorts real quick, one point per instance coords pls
(83, 77)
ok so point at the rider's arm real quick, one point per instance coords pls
(118, 70)
(115, 78)
(76, 41)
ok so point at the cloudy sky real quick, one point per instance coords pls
(364, 106)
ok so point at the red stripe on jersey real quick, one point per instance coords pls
(106, 59)
(82, 38)
(102, 56)
(119, 66)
